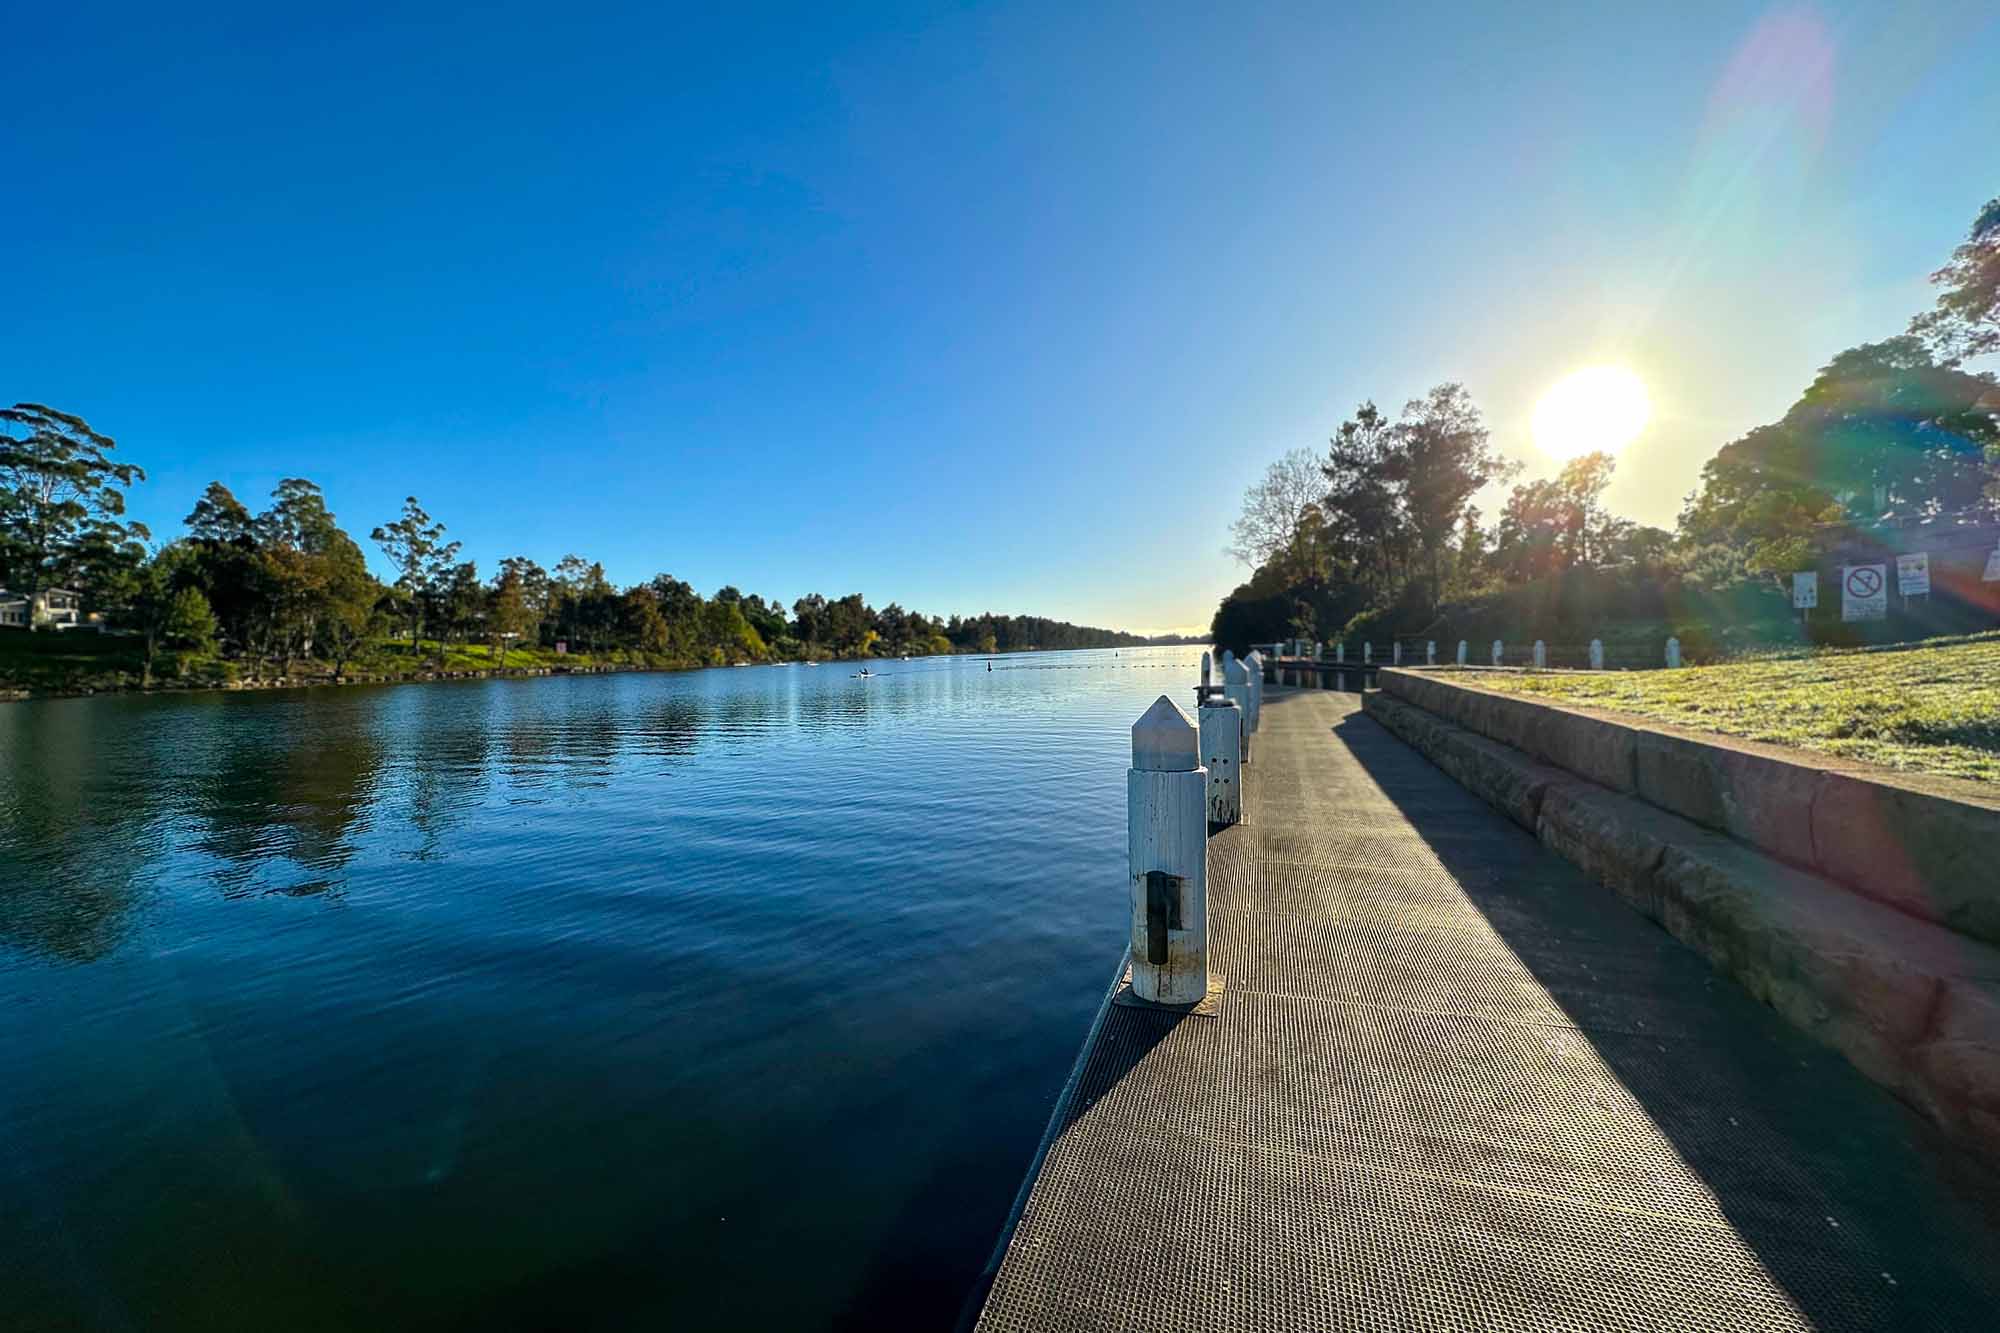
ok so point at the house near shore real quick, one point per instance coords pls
(51, 608)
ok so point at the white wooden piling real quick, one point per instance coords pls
(1368, 653)
(1541, 654)
(1462, 646)
(1597, 654)
(1499, 651)
(1204, 672)
(1166, 795)
(1340, 653)
(1673, 652)
(1396, 653)
(1255, 664)
(1430, 652)
(1236, 688)
(1221, 723)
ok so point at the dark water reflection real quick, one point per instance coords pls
(730, 999)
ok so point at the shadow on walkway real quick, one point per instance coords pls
(1854, 1205)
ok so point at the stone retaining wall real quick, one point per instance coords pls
(1912, 1004)
(1927, 846)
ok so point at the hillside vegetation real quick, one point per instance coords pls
(1931, 707)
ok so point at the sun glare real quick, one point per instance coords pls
(1602, 408)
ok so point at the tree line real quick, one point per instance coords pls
(288, 588)
(1379, 530)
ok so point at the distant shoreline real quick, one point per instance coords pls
(28, 694)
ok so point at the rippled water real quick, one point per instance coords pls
(719, 1000)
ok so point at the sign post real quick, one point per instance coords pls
(1913, 574)
(1805, 595)
(1864, 592)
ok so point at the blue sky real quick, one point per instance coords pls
(968, 307)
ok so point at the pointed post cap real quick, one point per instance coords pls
(1164, 740)
(1254, 656)
(1228, 656)
(1233, 671)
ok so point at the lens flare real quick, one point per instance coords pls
(1602, 408)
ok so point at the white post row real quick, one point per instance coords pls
(1541, 654)
(1221, 725)
(1236, 688)
(1597, 654)
(1499, 650)
(1166, 794)
(1430, 652)
(1673, 652)
(1462, 646)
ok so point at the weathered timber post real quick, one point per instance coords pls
(1396, 653)
(1368, 653)
(1673, 652)
(1430, 652)
(1541, 654)
(1340, 653)
(1236, 688)
(1499, 651)
(1166, 795)
(1461, 652)
(1222, 756)
(1597, 654)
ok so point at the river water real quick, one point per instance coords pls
(727, 999)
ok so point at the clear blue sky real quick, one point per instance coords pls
(973, 307)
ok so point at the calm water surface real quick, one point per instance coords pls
(720, 1000)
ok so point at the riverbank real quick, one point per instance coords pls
(75, 665)
(69, 666)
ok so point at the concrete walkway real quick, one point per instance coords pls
(1454, 1084)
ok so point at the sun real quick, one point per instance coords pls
(1601, 408)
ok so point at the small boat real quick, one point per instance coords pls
(812, 664)
(864, 674)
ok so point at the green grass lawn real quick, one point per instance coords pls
(60, 662)
(72, 659)
(1931, 707)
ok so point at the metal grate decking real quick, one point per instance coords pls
(1455, 1085)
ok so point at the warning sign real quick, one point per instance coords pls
(1864, 592)
(1913, 574)
(1805, 590)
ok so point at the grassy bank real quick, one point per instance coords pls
(1931, 707)
(54, 663)
(73, 663)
